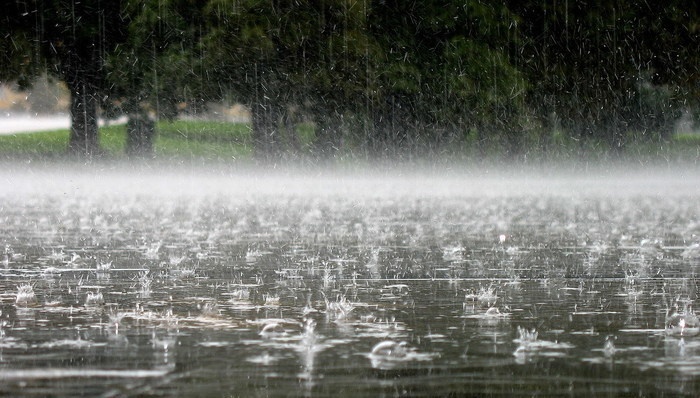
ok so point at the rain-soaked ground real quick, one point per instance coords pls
(277, 285)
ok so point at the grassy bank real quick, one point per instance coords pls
(175, 140)
(203, 139)
(196, 140)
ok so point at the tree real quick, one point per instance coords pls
(446, 70)
(375, 75)
(277, 55)
(391, 73)
(157, 68)
(610, 70)
(245, 62)
(69, 40)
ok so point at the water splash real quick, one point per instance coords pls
(25, 295)
(684, 323)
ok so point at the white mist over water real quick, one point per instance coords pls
(180, 181)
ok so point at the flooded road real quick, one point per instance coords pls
(234, 284)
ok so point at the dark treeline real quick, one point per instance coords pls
(379, 78)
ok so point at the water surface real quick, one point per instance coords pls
(276, 284)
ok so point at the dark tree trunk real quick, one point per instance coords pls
(81, 67)
(140, 133)
(289, 122)
(395, 131)
(328, 134)
(266, 124)
(83, 110)
(379, 136)
(388, 134)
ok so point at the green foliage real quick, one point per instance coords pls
(157, 69)
(611, 67)
(307, 136)
(480, 80)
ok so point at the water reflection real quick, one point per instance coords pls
(370, 294)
